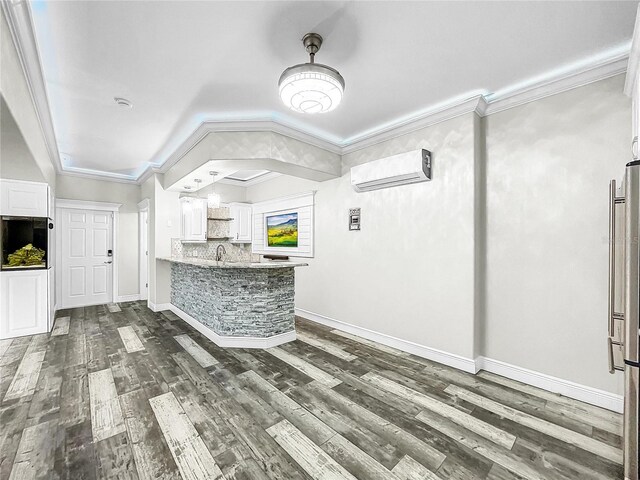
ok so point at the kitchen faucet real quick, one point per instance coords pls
(220, 252)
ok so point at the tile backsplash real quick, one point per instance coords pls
(236, 252)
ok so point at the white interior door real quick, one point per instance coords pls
(86, 266)
(144, 254)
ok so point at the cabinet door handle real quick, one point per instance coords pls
(110, 261)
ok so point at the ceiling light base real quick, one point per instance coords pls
(312, 42)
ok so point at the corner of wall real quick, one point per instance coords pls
(480, 233)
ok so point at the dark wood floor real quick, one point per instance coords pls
(122, 392)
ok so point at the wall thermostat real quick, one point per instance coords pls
(354, 219)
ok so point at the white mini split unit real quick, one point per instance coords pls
(402, 169)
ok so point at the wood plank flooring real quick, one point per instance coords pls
(118, 391)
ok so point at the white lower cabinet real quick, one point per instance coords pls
(24, 309)
(51, 290)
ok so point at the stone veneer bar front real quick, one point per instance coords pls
(238, 302)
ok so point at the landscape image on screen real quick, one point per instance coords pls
(282, 230)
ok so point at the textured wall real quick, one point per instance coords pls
(409, 272)
(241, 302)
(548, 167)
(531, 289)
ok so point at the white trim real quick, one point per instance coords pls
(482, 104)
(87, 205)
(114, 262)
(99, 175)
(593, 396)
(158, 307)
(265, 124)
(26, 182)
(229, 341)
(127, 298)
(593, 73)
(446, 358)
(143, 249)
(305, 199)
(446, 112)
(18, 16)
(249, 183)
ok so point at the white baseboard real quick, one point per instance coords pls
(451, 359)
(232, 342)
(593, 396)
(586, 394)
(158, 307)
(127, 298)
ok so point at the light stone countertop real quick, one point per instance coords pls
(200, 262)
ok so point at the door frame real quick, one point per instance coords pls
(65, 203)
(143, 207)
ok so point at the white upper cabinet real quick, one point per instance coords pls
(24, 199)
(240, 229)
(193, 226)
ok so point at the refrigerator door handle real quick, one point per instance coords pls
(612, 368)
(612, 314)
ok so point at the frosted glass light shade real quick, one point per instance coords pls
(213, 200)
(311, 88)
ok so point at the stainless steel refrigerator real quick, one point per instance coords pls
(624, 303)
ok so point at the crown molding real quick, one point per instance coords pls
(248, 183)
(87, 204)
(18, 16)
(594, 72)
(260, 125)
(99, 175)
(448, 111)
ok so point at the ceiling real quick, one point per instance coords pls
(181, 63)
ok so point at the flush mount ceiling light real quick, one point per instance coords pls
(311, 87)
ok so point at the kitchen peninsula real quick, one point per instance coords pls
(235, 304)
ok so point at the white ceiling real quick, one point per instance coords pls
(182, 62)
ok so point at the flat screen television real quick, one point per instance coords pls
(24, 243)
(282, 230)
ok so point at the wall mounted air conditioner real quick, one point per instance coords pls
(402, 169)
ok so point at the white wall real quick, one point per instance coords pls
(16, 161)
(77, 188)
(549, 163)
(409, 272)
(504, 256)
